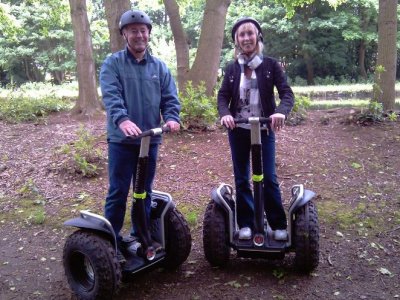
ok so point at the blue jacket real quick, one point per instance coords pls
(141, 92)
(269, 75)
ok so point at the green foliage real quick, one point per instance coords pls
(31, 206)
(291, 5)
(82, 156)
(198, 110)
(29, 189)
(392, 117)
(377, 89)
(23, 109)
(373, 114)
(40, 42)
(299, 111)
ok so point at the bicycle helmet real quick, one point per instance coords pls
(134, 16)
(245, 20)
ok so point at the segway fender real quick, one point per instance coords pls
(88, 220)
(218, 196)
(300, 197)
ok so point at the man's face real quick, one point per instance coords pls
(137, 36)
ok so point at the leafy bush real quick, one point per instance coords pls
(15, 110)
(299, 81)
(299, 111)
(82, 156)
(372, 115)
(375, 114)
(35, 100)
(198, 110)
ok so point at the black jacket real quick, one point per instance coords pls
(269, 74)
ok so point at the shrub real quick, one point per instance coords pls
(198, 110)
(82, 156)
(23, 109)
(299, 111)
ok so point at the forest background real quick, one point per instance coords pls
(320, 44)
(52, 166)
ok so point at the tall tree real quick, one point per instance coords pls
(387, 52)
(206, 64)
(114, 10)
(88, 102)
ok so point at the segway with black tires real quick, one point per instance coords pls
(221, 232)
(92, 267)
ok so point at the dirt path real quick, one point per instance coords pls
(354, 170)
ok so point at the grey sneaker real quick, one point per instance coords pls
(245, 233)
(280, 235)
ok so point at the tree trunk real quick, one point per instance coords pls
(114, 10)
(387, 55)
(58, 77)
(206, 64)
(304, 52)
(88, 100)
(361, 59)
(181, 42)
(309, 67)
(362, 46)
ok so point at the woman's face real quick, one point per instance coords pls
(247, 38)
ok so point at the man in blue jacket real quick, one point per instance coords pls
(138, 90)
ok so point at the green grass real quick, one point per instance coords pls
(345, 88)
(347, 103)
(34, 101)
(364, 218)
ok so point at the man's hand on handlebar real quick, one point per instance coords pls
(173, 125)
(129, 128)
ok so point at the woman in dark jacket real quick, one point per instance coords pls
(247, 90)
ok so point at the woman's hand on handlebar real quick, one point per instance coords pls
(277, 121)
(173, 125)
(228, 121)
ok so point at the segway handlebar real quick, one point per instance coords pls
(262, 120)
(152, 132)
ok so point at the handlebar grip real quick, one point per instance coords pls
(152, 132)
(262, 120)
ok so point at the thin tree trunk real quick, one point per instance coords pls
(181, 42)
(206, 64)
(361, 60)
(114, 10)
(88, 102)
(304, 52)
(362, 46)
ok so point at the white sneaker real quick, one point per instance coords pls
(245, 233)
(280, 235)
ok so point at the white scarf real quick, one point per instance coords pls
(253, 62)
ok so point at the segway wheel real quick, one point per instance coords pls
(91, 266)
(306, 239)
(178, 239)
(215, 236)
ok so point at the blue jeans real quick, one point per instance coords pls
(240, 143)
(122, 163)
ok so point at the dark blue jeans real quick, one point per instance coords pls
(122, 163)
(240, 143)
